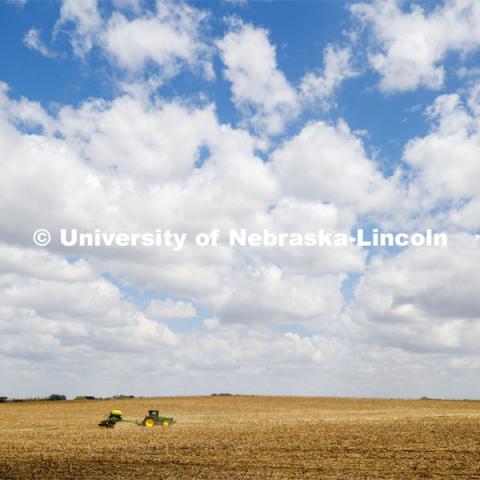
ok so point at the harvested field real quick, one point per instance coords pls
(243, 437)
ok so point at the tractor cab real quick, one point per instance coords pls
(153, 413)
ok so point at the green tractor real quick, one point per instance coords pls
(152, 419)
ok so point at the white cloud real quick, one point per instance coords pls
(39, 265)
(32, 40)
(169, 309)
(336, 69)
(23, 113)
(94, 327)
(294, 215)
(259, 88)
(265, 294)
(132, 5)
(86, 21)
(424, 299)
(229, 189)
(329, 164)
(153, 149)
(172, 37)
(169, 38)
(411, 45)
(139, 162)
(54, 172)
(92, 310)
(445, 163)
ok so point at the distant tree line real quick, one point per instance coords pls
(226, 394)
(57, 397)
(114, 397)
(52, 398)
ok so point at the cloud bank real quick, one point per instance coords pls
(336, 321)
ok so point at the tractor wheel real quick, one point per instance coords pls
(149, 422)
(165, 423)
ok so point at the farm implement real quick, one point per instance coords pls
(152, 419)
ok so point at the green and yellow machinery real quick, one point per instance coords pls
(152, 419)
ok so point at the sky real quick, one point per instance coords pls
(127, 116)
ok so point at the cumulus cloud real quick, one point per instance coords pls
(153, 149)
(329, 164)
(249, 294)
(138, 191)
(54, 172)
(259, 88)
(92, 313)
(170, 309)
(256, 316)
(126, 166)
(337, 67)
(445, 163)
(266, 294)
(295, 215)
(94, 328)
(410, 46)
(423, 299)
(168, 38)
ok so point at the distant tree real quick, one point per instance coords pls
(56, 397)
(3, 399)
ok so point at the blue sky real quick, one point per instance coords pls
(132, 115)
(300, 30)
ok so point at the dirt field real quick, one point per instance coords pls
(243, 437)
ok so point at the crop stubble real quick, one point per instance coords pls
(243, 437)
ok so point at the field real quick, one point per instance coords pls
(243, 438)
